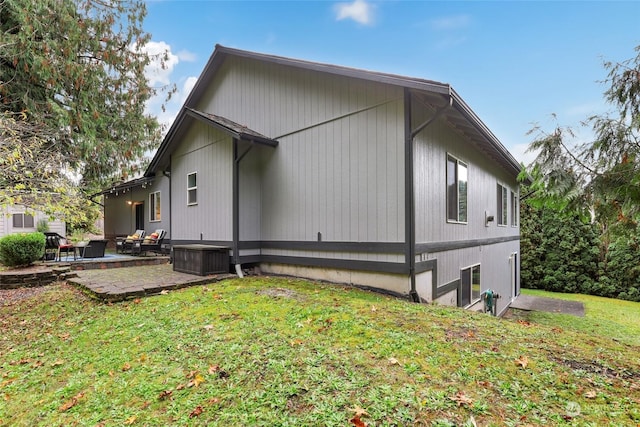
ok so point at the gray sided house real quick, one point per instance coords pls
(19, 219)
(339, 174)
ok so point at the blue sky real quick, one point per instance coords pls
(514, 62)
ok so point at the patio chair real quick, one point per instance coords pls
(124, 244)
(151, 243)
(60, 244)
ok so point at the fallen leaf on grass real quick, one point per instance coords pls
(196, 381)
(71, 403)
(6, 397)
(373, 308)
(126, 367)
(57, 363)
(296, 342)
(522, 361)
(180, 386)
(208, 327)
(356, 421)
(132, 419)
(213, 401)
(137, 301)
(524, 322)
(164, 292)
(393, 361)
(165, 394)
(591, 394)
(197, 411)
(360, 412)
(461, 399)
(213, 369)
(7, 382)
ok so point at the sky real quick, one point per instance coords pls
(517, 64)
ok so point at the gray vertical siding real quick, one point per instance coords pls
(251, 192)
(339, 167)
(208, 152)
(430, 150)
(119, 215)
(161, 183)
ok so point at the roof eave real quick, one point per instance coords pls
(466, 111)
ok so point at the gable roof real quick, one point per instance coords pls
(223, 124)
(459, 115)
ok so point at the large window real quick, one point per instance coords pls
(192, 188)
(22, 220)
(469, 285)
(456, 190)
(503, 203)
(515, 205)
(154, 206)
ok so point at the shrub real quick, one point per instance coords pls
(21, 249)
(42, 226)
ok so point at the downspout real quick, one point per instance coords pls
(409, 199)
(410, 212)
(168, 176)
(236, 209)
(236, 205)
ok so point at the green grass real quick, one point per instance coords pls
(284, 352)
(617, 319)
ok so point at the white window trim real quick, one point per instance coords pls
(152, 206)
(472, 301)
(466, 165)
(505, 208)
(192, 188)
(515, 208)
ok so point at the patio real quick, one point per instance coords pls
(137, 281)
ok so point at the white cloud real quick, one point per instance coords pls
(188, 84)
(358, 10)
(449, 42)
(583, 111)
(186, 56)
(521, 154)
(162, 63)
(447, 23)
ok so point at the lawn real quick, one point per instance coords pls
(284, 352)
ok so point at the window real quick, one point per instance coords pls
(154, 206)
(502, 205)
(456, 190)
(192, 188)
(469, 285)
(22, 220)
(515, 205)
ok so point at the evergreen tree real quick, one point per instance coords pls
(73, 71)
(559, 252)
